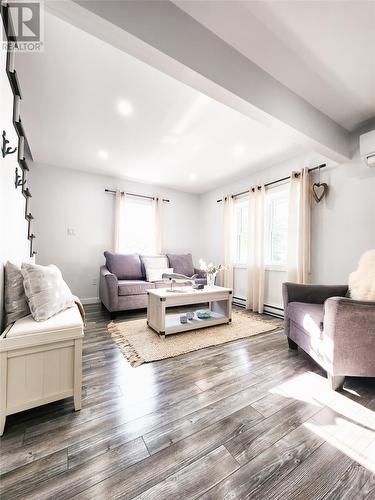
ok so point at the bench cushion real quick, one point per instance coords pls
(65, 320)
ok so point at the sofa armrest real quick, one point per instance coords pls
(108, 289)
(313, 294)
(200, 273)
(349, 335)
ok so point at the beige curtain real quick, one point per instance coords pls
(118, 219)
(157, 204)
(299, 227)
(255, 271)
(227, 274)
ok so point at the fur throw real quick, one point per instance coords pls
(362, 281)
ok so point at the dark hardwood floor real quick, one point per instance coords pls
(248, 419)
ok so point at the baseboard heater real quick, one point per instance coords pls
(239, 301)
(277, 312)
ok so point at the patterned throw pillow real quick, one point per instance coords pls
(15, 302)
(46, 291)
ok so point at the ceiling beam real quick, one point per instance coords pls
(164, 36)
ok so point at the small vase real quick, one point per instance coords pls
(211, 279)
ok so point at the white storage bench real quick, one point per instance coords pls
(40, 362)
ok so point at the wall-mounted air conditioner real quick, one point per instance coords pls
(367, 148)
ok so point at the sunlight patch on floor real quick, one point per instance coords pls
(350, 437)
(308, 387)
(342, 422)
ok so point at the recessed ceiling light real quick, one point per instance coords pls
(239, 150)
(192, 177)
(125, 108)
(169, 139)
(103, 154)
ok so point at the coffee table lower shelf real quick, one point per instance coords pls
(173, 324)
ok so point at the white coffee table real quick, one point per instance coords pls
(220, 305)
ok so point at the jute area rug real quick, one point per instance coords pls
(140, 344)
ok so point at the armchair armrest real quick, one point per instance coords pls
(349, 334)
(200, 273)
(108, 289)
(313, 294)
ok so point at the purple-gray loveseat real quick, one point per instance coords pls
(123, 284)
(336, 331)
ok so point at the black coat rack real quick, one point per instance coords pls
(23, 145)
(5, 149)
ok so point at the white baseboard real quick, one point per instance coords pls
(276, 311)
(90, 300)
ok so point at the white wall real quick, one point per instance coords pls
(66, 198)
(343, 224)
(14, 245)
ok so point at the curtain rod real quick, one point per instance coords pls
(137, 195)
(274, 182)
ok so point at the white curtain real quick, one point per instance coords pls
(227, 247)
(299, 223)
(157, 205)
(255, 272)
(118, 220)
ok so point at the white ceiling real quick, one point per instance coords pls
(175, 136)
(323, 51)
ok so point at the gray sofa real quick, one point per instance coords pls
(123, 284)
(336, 331)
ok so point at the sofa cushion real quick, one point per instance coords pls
(309, 317)
(125, 267)
(166, 284)
(182, 264)
(134, 287)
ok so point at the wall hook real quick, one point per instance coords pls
(18, 179)
(5, 150)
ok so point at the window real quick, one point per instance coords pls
(138, 226)
(241, 230)
(276, 229)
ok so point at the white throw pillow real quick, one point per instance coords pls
(15, 302)
(157, 262)
(362, 281)
(46, 291)
(157, 274)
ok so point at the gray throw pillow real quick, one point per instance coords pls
(15, 302)
(182, 264)
(46, 291)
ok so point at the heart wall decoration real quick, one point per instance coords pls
(319, 190)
